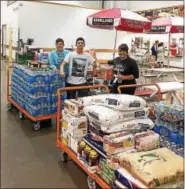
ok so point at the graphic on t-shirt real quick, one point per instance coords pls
(78, 67)
(119, 69)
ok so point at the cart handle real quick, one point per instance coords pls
(141, 85)
(8, 82)
(71, 89)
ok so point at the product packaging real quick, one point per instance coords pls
(146, 141)
(154, 168)
(117, 143)
(73, 107)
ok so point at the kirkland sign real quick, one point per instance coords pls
(103, 21)
(158, 29)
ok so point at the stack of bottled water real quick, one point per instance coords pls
(169, 124)
(35, 89)
(176, 148)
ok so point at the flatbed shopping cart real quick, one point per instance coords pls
(92, 179)
(142, 90)
(22, 112)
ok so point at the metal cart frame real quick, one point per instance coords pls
(146, 92)
(22, 112)
(93, 178)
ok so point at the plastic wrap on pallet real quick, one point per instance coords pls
(35, 89)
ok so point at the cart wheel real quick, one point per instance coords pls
(21, 115)
(91, 183)
(63, 157)
(36, 126)
(9, 106)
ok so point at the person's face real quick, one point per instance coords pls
(60, 46)
(80, 45)
(122, 54)
(173, 40)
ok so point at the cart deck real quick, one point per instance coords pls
(22, 111)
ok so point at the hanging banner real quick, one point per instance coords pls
(103, 21)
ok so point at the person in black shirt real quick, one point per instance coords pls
(125, 70)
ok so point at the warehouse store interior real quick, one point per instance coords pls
(92, 94)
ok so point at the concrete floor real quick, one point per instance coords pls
(31, 159)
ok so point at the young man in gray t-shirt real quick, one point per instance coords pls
(78, 61)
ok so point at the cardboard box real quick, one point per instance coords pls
(73, 107)
(74, 144)
(74, 122)
(65, 137)
(77, 133)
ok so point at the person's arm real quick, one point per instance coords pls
(52, 61)
(134, 72)
(66, 61)
(110, 62)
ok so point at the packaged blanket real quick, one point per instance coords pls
(146, 141)
(119, 142)
(154, 168)
(132, 126)
(116, 101)
(107, 116)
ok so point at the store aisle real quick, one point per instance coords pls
(31, 159)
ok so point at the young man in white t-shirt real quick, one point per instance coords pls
(78, 61)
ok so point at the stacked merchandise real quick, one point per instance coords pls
(120, 145)
(74, 124)
(34, 89)
(169, 123)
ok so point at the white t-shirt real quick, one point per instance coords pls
(78, 65)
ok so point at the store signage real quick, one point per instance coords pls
(134, 24)
(158, 29)
(103, 21)
(180, 29)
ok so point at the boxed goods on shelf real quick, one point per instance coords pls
(154, 168)
(115, 101)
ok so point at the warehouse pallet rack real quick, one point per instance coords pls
(22, 112)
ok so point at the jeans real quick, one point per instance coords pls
(79, 93)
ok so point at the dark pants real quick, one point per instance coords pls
(79, 93)
(129, 91)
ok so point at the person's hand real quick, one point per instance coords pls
(119, 76)
(62, 74)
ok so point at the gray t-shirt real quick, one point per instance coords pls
(78, 65)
